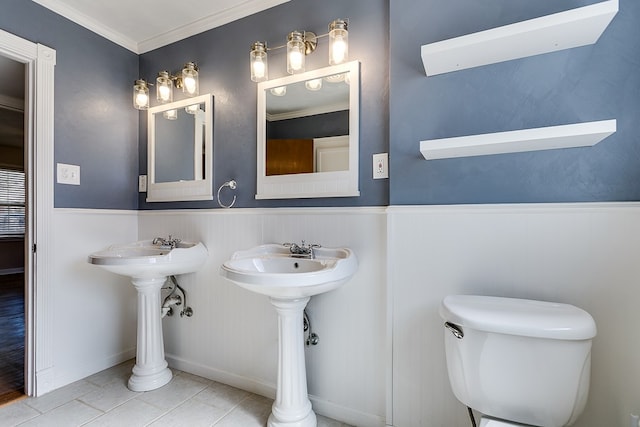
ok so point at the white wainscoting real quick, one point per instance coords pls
(583, 254)
(232, 336)
(410, 258)
(94, 312)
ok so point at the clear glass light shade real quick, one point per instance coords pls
(258, 61)
(190, 85)
(171, 114)
(313, 85)
(295, 53)
(279, 91)
(140, 95)
(164, 87)
(192, 109)
(338, 42)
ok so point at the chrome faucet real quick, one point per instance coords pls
(302, 251)
(166, 243)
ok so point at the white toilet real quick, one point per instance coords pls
(518, 362)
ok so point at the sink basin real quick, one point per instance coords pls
(271, 270)
(148, 265)
(290, 282)
(143, 259)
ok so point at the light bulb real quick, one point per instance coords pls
(190, 79)
(313, 85)
(258, 68)
(258, 61)
(190, 85)
(140, 95)
(192, 109)
(339, 50)
(295, 59)
(142, 99)
(165, 92)
(279, 91)
(338, 42)
(295, 52)
(171, 114)
(164, 84)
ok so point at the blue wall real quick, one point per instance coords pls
(94, 125)
(596, 82)
(223, 57)
(97, 128)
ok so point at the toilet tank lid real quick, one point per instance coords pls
(522, 317)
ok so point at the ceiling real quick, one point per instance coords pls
(144, 25)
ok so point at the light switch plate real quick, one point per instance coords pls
(380, 166)
(142, 183)
(68, 174)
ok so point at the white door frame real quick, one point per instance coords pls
(40, 64)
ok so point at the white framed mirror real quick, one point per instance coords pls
(308, 134)
(179, 150)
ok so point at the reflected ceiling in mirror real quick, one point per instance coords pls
(307, 138)
(179, 150)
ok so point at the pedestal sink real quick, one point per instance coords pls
(290, 281)
(148, 265)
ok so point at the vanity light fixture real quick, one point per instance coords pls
(258, 60)
(313, 85)
(186, 79)
(192, 109)
(140, 94)
(279, 91)
(299, 44)
(170, 114)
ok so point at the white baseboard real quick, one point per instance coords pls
(64, 378)
(320, 406)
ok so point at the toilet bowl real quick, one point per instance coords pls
(518, 362)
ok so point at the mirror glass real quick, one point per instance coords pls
(179, 150)
(308, 134)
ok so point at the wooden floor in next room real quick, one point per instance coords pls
(12, 326)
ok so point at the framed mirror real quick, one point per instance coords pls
(308, 134)
(179, 150)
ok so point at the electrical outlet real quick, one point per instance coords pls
(634, 421)
(142, 183)
(380, 166)
(68, 174)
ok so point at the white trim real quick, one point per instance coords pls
(321, 406)
(39, 91)
(40, 63)
(42, 175)
(538, 208)
(238, 11)
(89, 23)
(207, 23)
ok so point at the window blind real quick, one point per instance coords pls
(12, 202)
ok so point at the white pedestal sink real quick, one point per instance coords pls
(290, 282)
(149, 265)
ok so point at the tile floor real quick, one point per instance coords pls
(104, 400)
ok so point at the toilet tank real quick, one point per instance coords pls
(519, 360)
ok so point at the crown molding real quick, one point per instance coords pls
(241, 10)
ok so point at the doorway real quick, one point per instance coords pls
(12, 230)
(38, 62)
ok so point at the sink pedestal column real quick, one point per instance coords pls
(292, 407)
(150, 371)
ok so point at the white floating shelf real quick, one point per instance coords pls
(564, 30)
(547, 138)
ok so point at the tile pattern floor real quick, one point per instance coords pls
(104, 400)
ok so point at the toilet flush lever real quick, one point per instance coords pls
(455, 330)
